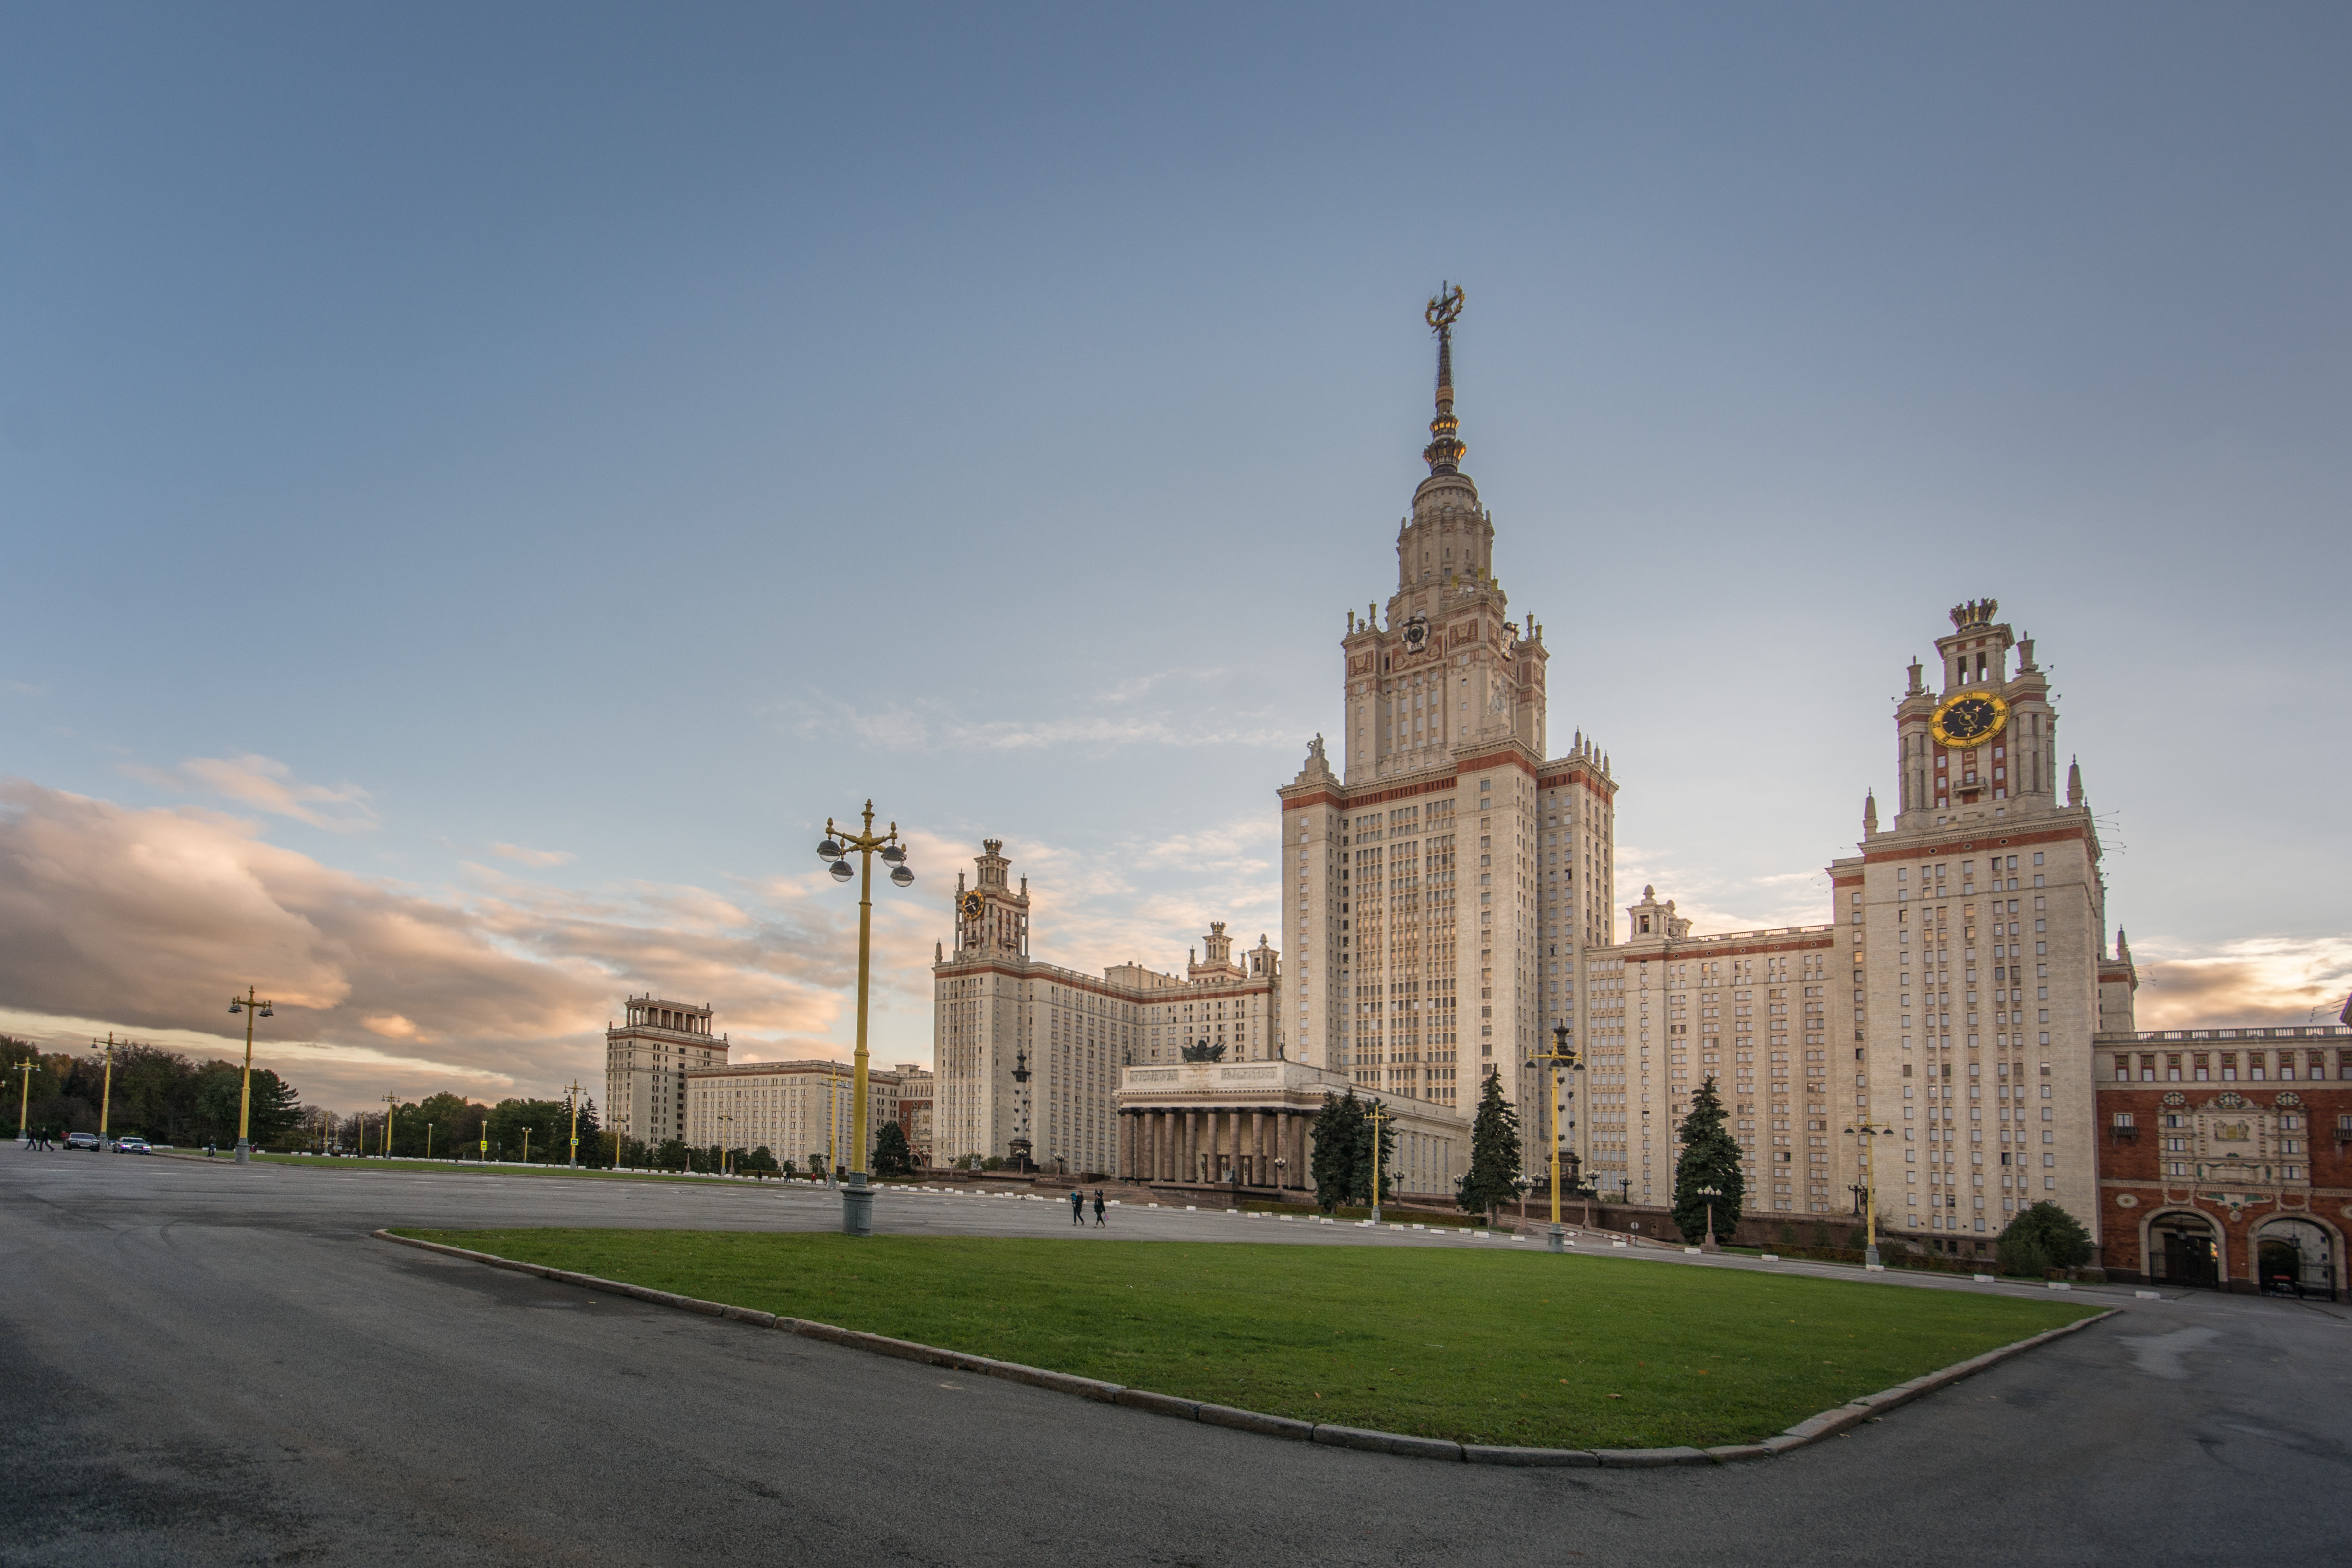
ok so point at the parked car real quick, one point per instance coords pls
(131, 1146)
(82, 1141)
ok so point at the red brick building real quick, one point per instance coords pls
(2225, 1158)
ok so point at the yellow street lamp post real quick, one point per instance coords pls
(1869, 1134)
(573, 1094)
(1561, 1059)
(428, 1139)
(1378, 1116)
(391, 1104)
(24, 1070)
(857, 1197)
(526, 1145)
(106, 1093)
(249, 1004)
(726, 1140)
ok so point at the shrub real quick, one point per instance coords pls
(2042, 1238)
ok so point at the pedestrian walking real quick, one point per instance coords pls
(1098, 1208)
(1078, 1207)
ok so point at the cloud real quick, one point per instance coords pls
(542, 857)
(1107, 721)
(269, 786)
(2257, 981)
(148, 920)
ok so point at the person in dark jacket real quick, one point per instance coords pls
(1098, 1208)
(1078, 1207)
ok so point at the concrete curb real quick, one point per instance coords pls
(1812, 1429)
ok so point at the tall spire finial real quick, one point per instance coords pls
(1446, 450)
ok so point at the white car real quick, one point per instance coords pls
(132, 1146)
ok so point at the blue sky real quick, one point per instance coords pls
(479, 488)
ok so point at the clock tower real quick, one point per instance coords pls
(1974, 930)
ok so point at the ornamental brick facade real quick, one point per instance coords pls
(2225, 1158)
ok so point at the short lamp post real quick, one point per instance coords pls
(251, 1006)
(1710, 1195)
(1869, 1134)
(857, 1196)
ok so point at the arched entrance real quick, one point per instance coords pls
(2184, 1249)
(2295, 1258)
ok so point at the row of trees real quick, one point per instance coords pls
(156, 1094)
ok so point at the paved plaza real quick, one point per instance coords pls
(211, 1363)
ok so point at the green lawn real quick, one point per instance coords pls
(491, 1168)
(1518, 1348)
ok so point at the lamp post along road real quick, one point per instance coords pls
(857, 1197)
(1869, 1135)
(1710, 1195)
(573, 1094)
(249, 1004)
(23, 1098)
(391, 1104)
(105, 1094)
(1562, 1061)
(1377, 1117)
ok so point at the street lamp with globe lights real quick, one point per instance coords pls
(857, 1197)
(249, 1004)
(1869, 1134)
(1710, 1195)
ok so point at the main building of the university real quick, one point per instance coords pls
(1448, 905)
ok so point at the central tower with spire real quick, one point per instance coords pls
(1445, 874)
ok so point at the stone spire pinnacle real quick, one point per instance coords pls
(2073, 783)
(1445, 449)
(1870, 811)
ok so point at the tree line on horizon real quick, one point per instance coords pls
(156, 1094)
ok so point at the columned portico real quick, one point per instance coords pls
(1247, 1123)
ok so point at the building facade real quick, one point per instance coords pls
(797, 1110)
(915, 1089)
(1664, 1011)
(1028, 1055)
(1248, 1124)
(2225, 1157)
(646, 1060)
(1440, 884)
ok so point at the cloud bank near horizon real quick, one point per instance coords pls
(143, 920)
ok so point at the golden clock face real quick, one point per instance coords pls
(1969, 719)
(972, 906)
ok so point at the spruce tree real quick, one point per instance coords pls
(892, 1155)
(1710, 1158)
(1339, 1134)
(1494, 1178)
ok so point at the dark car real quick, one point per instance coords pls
(82, 1141)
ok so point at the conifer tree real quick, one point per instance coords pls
(1710, 1158)
(1338, 1133)
(1494, 1178)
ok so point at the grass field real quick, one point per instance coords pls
(1520, 1348)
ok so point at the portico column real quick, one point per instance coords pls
(1159, 1145)
(1257, 1150)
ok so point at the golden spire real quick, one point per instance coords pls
(1445, 449)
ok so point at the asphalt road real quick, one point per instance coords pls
(205, 1363)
